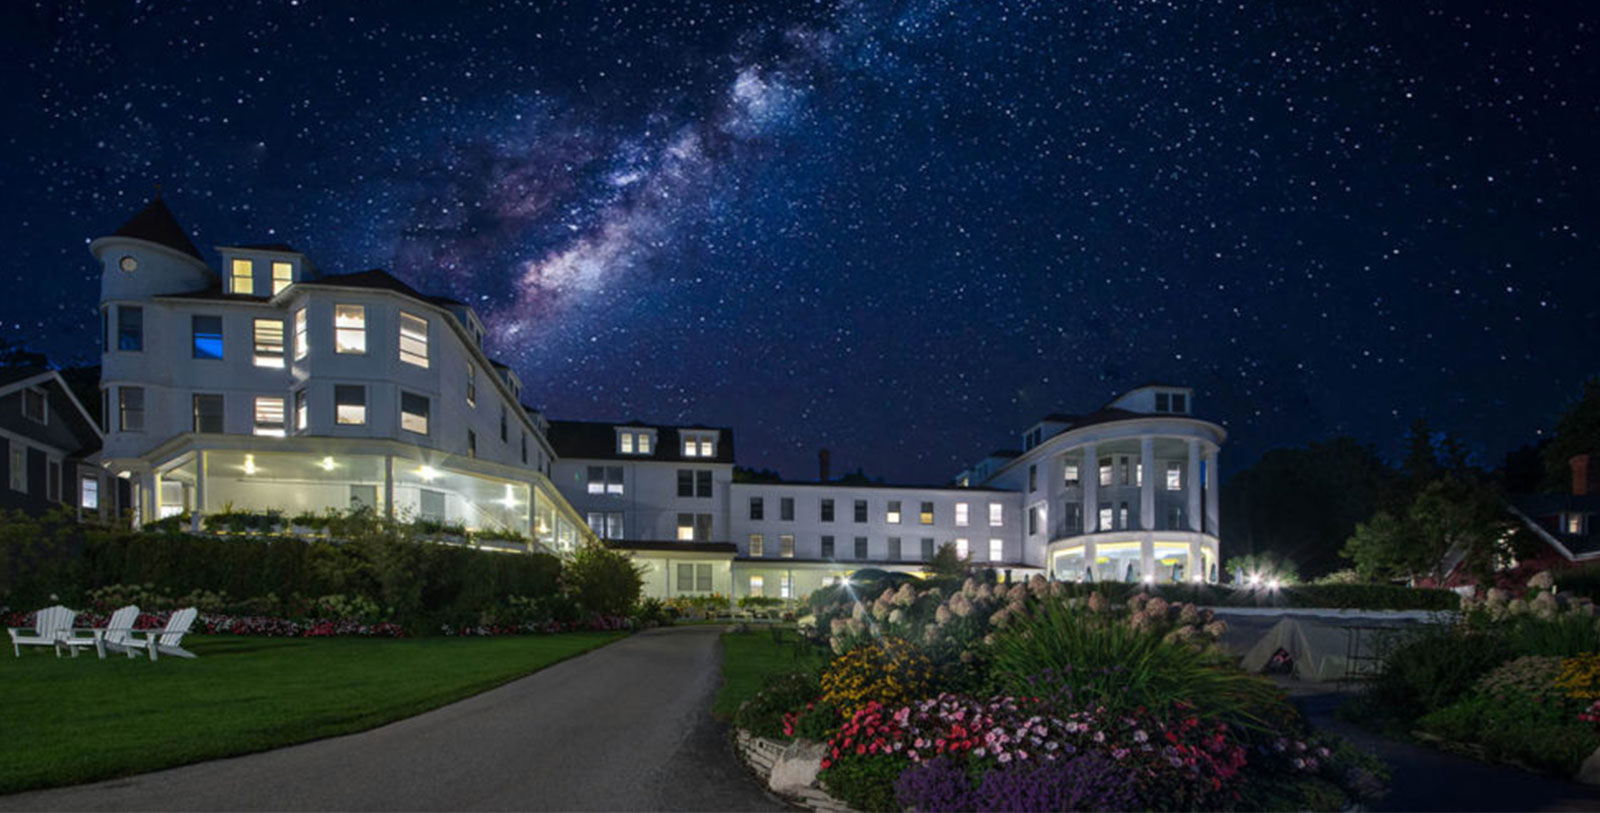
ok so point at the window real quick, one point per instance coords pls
(927, 549)
(19, 467)
(699, 445)
(1033, 520)
(105, 330)
(1126, 469)
(207, 332)
(1179, 402)
(282, 275)
(269, 416)
(524, 436)
(702, 484)
(1106, 519)
(786, 546)
(861, 547)
(413, 412)
(33, 405)
(827, 547)
(1163, 403)
(1105, 471)
(693, 578)
(758, 508)
(625, 443)
(963, 548)
(997, 550)
(605, 480)
(926, 515)
(349, 404)
(1070, 475)
(89, 493)
(894, 548)
(52, 481)
(472, 443)
(1174, 476)
(1174, 517)
(269, 343)
(472, 385)
(1574, 524)
(1122, 511)
(302, 340)
(413, 339)
(827, 510)
(786, 509)
(302, 413)
(861, 510)
(208, 413)
(694, 527)
(757, 543)
(130, 328)
(349, 329)
(1072, 519)
(892, 514)
(786, 586)
(606, 524)
(1033, 477)
(961, 515)
(503, 428)
(996, 515)
(693, 483)
(130, 409)
(644, 439)
(757, 585)
(243, 279)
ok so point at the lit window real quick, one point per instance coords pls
(207, 331)
(1174, 476)
(757, 542)
(1106, 519)
(302, 414)
(19, 467)
(757, 585)
(130, 328)
(33, 405)
(786, 546)
(963, 548)
(1105, 471)
(685, 527)
(694, 528)
(282, 275)
(1070, 475)
(472, 385)
(696, 445)
(349, 329)
(302, 342)
(892, 515)
(89, 493)
(961, 515)
(625, 443)
(269, 416)
(926, 515)
(996, 514)
(413, 339)
(644, 443)
(349, 404)
(130, 409)
(413, 413)
(1575, 524)
(269, 343)
(244, 277)
(786, 586)
(208, 413)
(997, 550)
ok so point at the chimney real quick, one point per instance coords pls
(1580, 474)
(822, 465)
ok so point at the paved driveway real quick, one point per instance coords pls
(626, 727)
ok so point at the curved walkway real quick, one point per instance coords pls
(626, 727)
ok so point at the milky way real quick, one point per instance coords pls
(902, 231)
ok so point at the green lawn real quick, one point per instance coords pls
(64, 721)
(749, 658)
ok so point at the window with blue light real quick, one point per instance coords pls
(207, 336)
(130, 327)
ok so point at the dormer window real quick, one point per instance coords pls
(699, 445)
(282, 275)
(243, 277)
(634, 442)
(1174, 402)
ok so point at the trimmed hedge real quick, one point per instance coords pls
(1325, 596)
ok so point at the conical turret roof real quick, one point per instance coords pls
(156, 224)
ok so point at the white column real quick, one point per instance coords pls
(1192, 486)
(1147, 556)
(1196, 562)
(388, 486)
(1090, 551)
(1212, 492)
(1147, 483)
(1089, 478)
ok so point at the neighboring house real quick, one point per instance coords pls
(1074, 504)
(1566, 522)
(271, 385)
(49, 442)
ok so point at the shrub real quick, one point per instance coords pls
(866, 783)
(889, 671)
(1531, 677)
(1431, 671)
(765, 714)
(604, 580)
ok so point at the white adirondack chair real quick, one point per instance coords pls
(114, 634)
(168, 640)
(50, 625)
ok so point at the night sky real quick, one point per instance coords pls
(901, 231)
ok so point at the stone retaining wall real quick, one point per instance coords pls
(761, 754)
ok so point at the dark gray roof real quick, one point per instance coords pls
(379, 279)
(11, 375)
(1546, 510)
(156, 224)
(597, 440)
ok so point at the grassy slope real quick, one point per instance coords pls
(67, 721)
(749, 658)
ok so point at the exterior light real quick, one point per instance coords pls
(1149, 578)
(427, 473)
(1254, 580)
(249, 464)
(1274, 584)
(327, 463)
(510, 500)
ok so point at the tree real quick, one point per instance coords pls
(1453, 523)
(603, 580)
(1384, 547)
(1578, 432)
(947, 563)
(1264, 567)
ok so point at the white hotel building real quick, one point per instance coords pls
(272, 386)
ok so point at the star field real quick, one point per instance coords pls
(901, 231)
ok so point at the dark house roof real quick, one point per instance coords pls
(156, 224)
(11, 375)
(1546, 510)
(379, 279)
(279, 247)
(595, 440)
